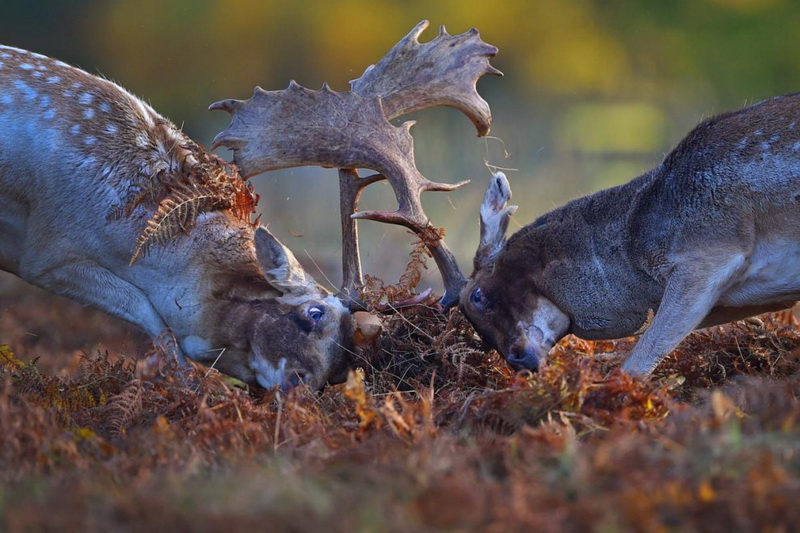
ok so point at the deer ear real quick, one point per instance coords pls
(495, 215)
(280, 267)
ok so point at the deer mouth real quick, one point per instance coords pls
(530, 349)
(270, 376)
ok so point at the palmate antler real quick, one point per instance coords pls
(298, 127)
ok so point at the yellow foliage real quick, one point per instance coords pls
(356, 391)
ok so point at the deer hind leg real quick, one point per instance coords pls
(692, 291)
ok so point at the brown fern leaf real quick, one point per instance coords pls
(176, 214)
(375, 290)
(209, 185)
(124, 409)
(413, 272)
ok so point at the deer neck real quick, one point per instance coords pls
(211, 269)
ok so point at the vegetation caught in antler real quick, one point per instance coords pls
(210, 184)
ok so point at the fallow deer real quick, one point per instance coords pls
(711, 235)
(104, 201)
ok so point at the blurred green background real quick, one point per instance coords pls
(595, 91)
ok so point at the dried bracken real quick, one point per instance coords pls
(209, 184)
(428, 423)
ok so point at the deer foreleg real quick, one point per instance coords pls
(692, 291)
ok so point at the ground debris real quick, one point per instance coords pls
(429, 421)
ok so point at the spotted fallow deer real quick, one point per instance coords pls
(105, 202)
(711, 235)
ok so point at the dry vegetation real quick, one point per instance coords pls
(433, 433)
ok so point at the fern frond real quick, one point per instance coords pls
(124, 409)
(176, 214)
(181, 197)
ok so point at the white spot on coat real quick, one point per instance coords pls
(26, 66)
(111, 129)
(90, 140)
(89, 113)
(53, 79)
(28, 94)
(75, 129)
(86, 98)
(49, 114)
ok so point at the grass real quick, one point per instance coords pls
(431, 433)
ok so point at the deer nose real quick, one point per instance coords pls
(295, 378)
(523, 357)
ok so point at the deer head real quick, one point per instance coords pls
(499, 299)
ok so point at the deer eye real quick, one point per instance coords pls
(315, 313)
(478, 299)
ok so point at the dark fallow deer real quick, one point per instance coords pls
(711, 235)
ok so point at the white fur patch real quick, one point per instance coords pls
(266, 374)
(28, 93)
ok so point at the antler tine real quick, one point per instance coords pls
(350, 188)
(443, 71)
